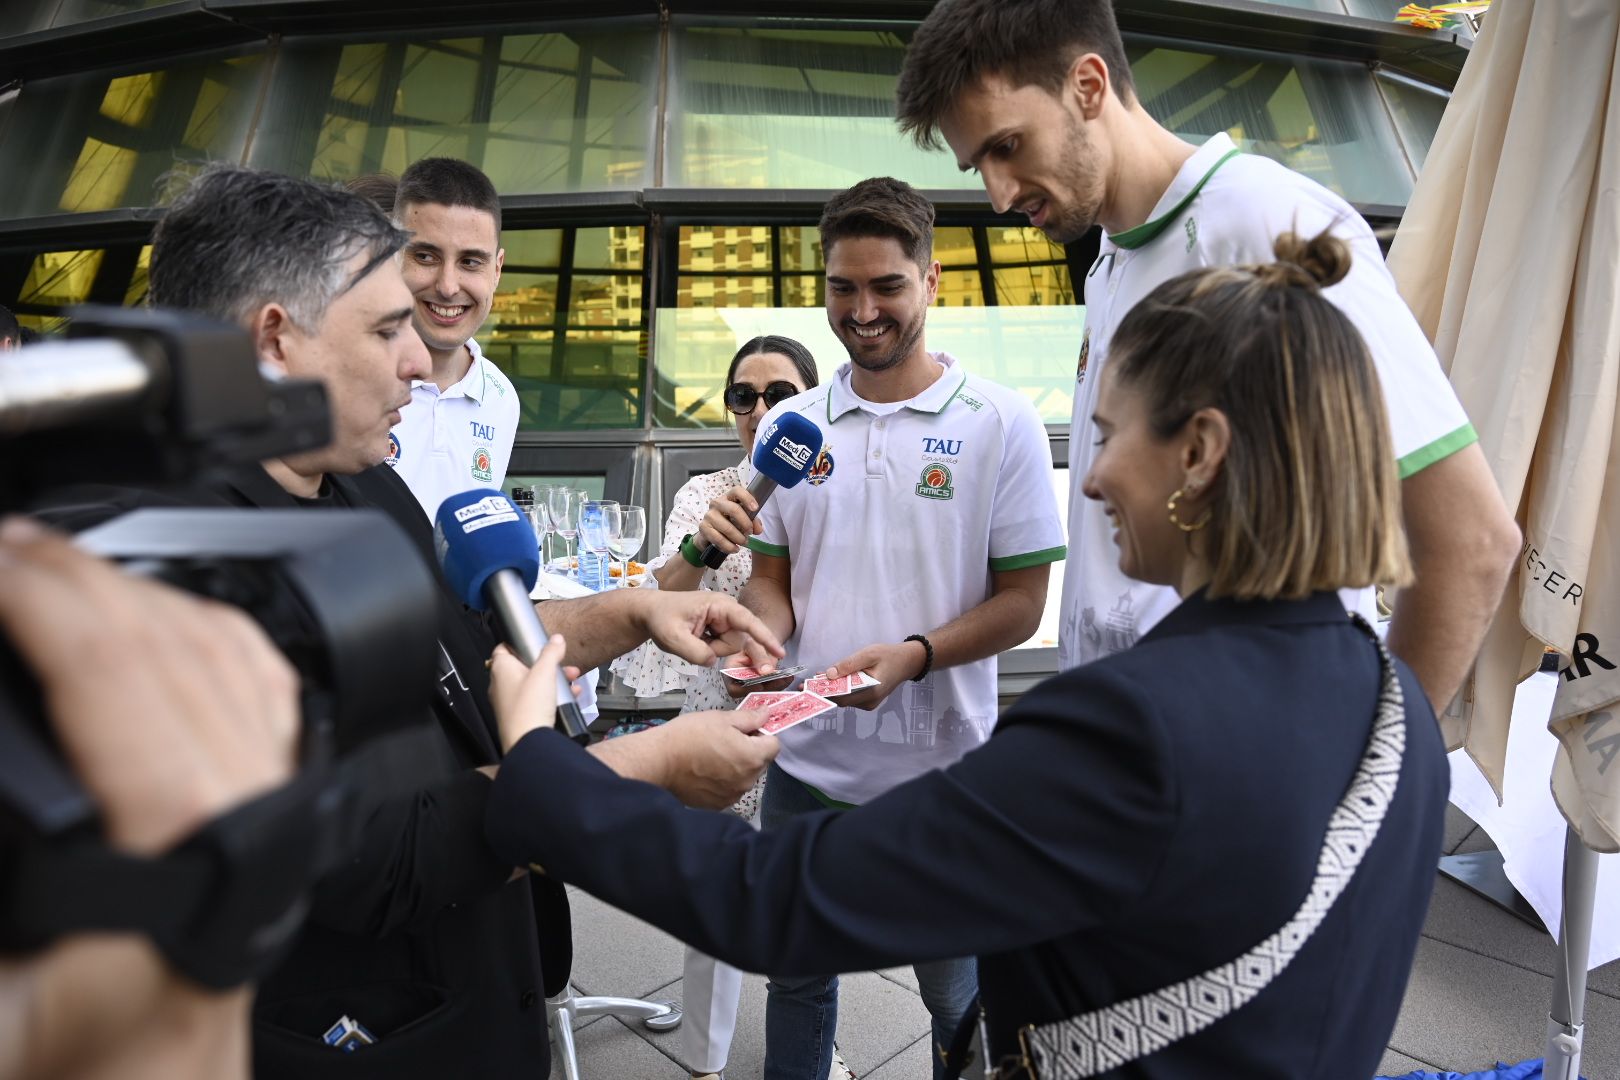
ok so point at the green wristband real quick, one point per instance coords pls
(690, 553)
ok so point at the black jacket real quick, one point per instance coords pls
(1131, 823)
(422, 937)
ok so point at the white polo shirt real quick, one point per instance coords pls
(448, 443)
(1226, 207)
(908, 509)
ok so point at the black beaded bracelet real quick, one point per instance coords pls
(690, 553)
(928, 658)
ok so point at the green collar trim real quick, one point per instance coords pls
(1149, 231)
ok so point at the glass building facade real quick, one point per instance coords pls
(661, 166)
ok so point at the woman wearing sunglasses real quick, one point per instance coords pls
(766, 370)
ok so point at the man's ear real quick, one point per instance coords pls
(1089, 82)
(272, 330)
(500, 261)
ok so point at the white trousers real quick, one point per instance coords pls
(710, 991)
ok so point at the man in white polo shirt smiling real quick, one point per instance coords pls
(917, 550)
(457, 431)
(1037, 96)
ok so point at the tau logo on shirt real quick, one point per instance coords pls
(822, 469)
(950, 447)
(482, 469)
(483, 431)
(393, 449)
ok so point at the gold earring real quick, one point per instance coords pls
(1177, 522)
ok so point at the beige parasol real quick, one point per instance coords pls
(1508, 256)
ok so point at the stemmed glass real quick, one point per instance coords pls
(540, 517)
(565, 505)
(632, 531)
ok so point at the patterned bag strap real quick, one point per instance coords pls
(1110, 1037)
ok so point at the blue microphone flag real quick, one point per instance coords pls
(786, 448)
(478, 533)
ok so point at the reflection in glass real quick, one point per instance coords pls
(1027, 318)
(1417, 110)
(98, 142)
(571, 338)
(763, 107)
(1317, 117)
(555, 112)
(1032, 349)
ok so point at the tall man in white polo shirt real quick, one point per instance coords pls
(917, 550)
(457, 431)
(1037, 96)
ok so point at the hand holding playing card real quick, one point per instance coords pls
(890, 665)
(744, 677)
(784, 710)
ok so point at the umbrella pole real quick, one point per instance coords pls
(1567, 1020)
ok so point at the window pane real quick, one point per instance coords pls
(25, 16)
(577, 368)
(38, 285)
(1023, 244)
(553, 112)
(804, 290)
(1028, 338)
(760, 107)
(99, 141)
(960, 288)
(1318, 117)
(801, 247)
(1417, 111)
(955, 247)
(532, 249)
(1034, 286)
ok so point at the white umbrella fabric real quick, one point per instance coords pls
(1509, 255)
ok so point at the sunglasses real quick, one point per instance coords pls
(741, 398)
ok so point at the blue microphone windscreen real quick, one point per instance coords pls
(477, 533)
(786, 447)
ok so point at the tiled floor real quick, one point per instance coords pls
(1479, 994)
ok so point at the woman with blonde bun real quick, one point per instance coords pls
(1208, 855)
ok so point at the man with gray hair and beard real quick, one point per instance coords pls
(424, 939)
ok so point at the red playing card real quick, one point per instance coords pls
(830, 687)
(764, 699)
(741, 674)
(784, 710)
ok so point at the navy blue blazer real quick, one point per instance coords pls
(1132, 823)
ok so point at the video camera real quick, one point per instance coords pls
(161, 401)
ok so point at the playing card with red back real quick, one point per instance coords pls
(844, 684)
(785, 710)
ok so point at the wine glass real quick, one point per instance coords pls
(632, 532)
(565, 505)
(540, 517)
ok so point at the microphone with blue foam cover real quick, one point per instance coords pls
(784, 450)
(491, 560)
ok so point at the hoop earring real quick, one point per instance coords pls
(1177, 522)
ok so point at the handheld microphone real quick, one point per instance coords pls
(491, 559)
(783, 454)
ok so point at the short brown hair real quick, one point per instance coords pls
(1029, 42)
(1309, 495)
(885, 207)
(447, 182)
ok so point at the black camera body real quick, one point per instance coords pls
(159, 400)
